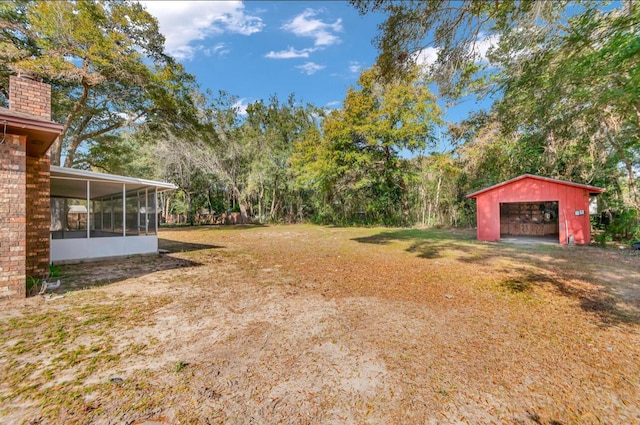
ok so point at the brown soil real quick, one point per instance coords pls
(317, 325)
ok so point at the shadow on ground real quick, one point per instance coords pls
(99, 273)
(177, 246)
(199, 227)
(433, 243)
(600, 302)
(544, 265)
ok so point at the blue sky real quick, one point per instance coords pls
(314, 49)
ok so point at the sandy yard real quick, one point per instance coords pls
(318, 325)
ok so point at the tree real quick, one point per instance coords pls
(565, 76)
(455, 30)
(435, 189)
(106, 65)
(358, 162)
(224, 151)
(276, 127)
(576, 96)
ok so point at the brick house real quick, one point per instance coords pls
(27, 134)
(60, 214)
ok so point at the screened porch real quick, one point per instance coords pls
(96, 215)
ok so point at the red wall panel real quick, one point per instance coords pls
(570, 199)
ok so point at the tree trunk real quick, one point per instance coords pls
(167, 208)
(423, 201)
(272, 212)
(630, 172)
(243, 212)
(405, 202)
(242, 204)
(191, 216)
(437, 209)
(260, 205)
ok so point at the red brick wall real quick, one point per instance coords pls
(12, 216)
(24, 196)
(29, 96)
(38, 216)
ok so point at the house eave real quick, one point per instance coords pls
(40, 134)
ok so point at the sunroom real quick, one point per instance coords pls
(96, 215)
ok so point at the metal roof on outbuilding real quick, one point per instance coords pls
(591, 189)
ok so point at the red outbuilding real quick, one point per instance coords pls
(531, 205)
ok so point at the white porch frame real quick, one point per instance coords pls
(67, 183)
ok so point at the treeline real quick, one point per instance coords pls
(564, 77)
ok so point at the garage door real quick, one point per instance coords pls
(529, 218)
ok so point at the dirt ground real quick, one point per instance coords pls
(318, 325)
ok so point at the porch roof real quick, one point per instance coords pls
(71, 183)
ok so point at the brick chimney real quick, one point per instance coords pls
(30, 96)
(24, 186)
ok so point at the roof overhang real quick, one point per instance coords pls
(40, 134)
(593, 190)
(72, 183)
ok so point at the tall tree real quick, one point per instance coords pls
(179, 163)
(276, 127)
(106, 64)
(224, 152)
(458, 31)
(362, 143)
(573, 99)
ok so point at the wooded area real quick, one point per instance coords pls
(564, 78)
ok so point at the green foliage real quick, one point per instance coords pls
(354, 162)
(33, 285)
(565, 77)
(54, 271)
(455, 29)
(180, 366)
(625, 225)
(602, 239)
(566, 101)
(105, 63)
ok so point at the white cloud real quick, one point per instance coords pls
(304, 25)
(219, 49)
(429, 55)
(290, 53)
(482, 46)
(310, 68)
(334, 104)
(241, 106)
(426, 56)
(185, 23)
(355, 67)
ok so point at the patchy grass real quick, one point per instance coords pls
(54, 354)
(308, 324)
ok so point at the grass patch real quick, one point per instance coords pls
(310, 324)
(180, 366)
(46, 362)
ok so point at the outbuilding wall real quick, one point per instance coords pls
(570, 199)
